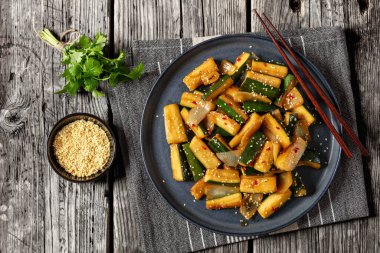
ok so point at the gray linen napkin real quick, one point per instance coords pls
(162, 229)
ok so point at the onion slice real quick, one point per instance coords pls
(229, 158)
(199, 113)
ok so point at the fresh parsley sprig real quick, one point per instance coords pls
(86, 64)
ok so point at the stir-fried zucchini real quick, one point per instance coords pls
(258, 106)
(290, 121)
(277, 130)
(198, 189)
(218, 88)
(242, 96)
(179, 164)
(174, 126)
(195, 166)
(229, 107)
(264, 160)
(225, 122)
(273, 202)
(251, 85)
(303, 113)
(276, 149)
(204, 154)
(301, 129)
(310, 158)
(222, 176)
(190, 100)
(198, 130)
(230, 201)
(289, 159)
(194, 79)
(270, 80)
(298, 187)
(250, 203)
(218, 144)
(271, 69)
(241, 64)
(284, 181)
(252, 149)
(215, 191)
(292, 99)
(258, 184)
(253, 124)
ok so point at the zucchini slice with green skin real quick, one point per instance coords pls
(215, 191)
(265, 159)
(179, 164)
(204, 154)
(230, 201)
(303, 113)
(225, 122)
(269, 68)
(241, 64)
(289, 159)
(250, 204)
(253, 124)
(222, 132)
(273, 202)
(250, 85)
(218, 144)
(194, 79)
(252, 149)
(221, 176)
(277, 130)
(270, 80)
(298, 187)
(218, 88)
(310, 159)
(230, 108)
(248, 171)
(301, 129)
(292, 99)
(198, 189)
(290, 122)
(284, 181)
(195, 166)
(258, 184)
(258, 106)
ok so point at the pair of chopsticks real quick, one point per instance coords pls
(320, 92)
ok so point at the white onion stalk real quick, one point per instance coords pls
(229, 158)
(199, 113)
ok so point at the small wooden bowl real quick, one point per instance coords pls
(67, 120)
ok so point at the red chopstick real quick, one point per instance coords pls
(321, 93)
(306, 89)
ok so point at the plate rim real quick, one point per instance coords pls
(329, 92)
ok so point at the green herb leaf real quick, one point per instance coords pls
(86, 65)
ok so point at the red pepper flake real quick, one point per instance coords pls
(277, 127)
(204, 148)
(194, 102)
(265, 64)
(244, 168)
(230, 105)
(296, 150)
(274, 209)
(224, 117)
(255, 182)
(209, 130)
(193, 125)
(268, 149)
(238, 59)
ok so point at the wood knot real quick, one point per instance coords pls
(13, 117)
(295, 5)
(363, 5)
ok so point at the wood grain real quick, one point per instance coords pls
(39, 211)
(362, 34)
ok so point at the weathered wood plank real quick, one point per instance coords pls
(362, 34)
(198, 19)
(38, 210)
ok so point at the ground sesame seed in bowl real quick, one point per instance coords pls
(82, 148)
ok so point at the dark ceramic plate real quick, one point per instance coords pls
(155, 149)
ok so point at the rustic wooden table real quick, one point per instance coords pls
(39, 211)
